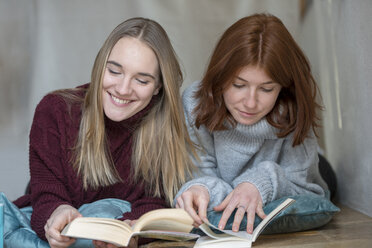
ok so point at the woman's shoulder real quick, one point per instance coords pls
(50, 102)
(63, 96)
(61, 102)
(188, 96)
(193, 87)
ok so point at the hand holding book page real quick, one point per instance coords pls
(167, 224)
(229, 238)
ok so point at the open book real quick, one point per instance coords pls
(168, 224)
(228, 238)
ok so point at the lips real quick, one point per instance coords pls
(246, 113)
(118, 100)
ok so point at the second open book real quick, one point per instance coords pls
(166, 224)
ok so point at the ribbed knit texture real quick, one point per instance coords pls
(254, 154)
(54, 181)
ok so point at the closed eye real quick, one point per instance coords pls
(142, 81)
(113, 72)
(267, 89)
(238, 85)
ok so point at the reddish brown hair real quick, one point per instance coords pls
(260, 40)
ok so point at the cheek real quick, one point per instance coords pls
(146, 94)
(229, 97)
(270, 103)
(107, 81)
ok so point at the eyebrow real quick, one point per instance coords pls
(140, 73)
(268, 82)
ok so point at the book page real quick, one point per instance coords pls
(104, 229)
(167, 235)
(269, 217)
(172, 219)
(209, 242)
(205, 227)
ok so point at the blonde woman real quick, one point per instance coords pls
(122, 136)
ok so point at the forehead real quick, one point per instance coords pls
(132, 52)
(253, 74)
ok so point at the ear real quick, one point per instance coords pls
(156, 91)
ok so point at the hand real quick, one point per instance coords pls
(132, 244)
(60, 217)
(246, 199)
(195, 201)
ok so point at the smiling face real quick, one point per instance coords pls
(251, 96)
(130, 79)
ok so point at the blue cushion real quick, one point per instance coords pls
(307, 212)
(18, 231)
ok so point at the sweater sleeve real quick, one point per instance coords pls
(46, 163)
(295, 172)
(207, 175)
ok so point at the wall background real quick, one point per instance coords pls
(50, 44)
(337, 37)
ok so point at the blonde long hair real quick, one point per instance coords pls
(160, 154)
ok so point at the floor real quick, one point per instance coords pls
(348, 228)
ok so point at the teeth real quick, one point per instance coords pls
(120, 101)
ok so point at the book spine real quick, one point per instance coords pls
(1, 225)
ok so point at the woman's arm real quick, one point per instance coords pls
(294, 172)
(48, 189)
(208, 175)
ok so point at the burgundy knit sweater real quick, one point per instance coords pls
(53, 180)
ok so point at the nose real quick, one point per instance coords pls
(124, 86)
(250, 100)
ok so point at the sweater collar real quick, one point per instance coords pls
(259, 130)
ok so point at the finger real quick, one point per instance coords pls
(260, 211)
(56, 244)
(226, 215)
(223, 204)
(190, 209)
(56, 235)
(250, 218)
(111, 246)
(98, 243)
(239, 215)
(202, 211)
(180, 203)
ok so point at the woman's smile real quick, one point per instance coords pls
(118, 101)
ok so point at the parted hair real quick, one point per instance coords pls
(260, 40)
(161, 145)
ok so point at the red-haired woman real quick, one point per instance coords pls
(253, 115)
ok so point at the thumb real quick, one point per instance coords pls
(74, 215)
(260, 212)
(223, 204)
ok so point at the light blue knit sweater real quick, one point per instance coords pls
(251, 153)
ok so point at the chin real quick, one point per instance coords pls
(115, 117)
(248, 122)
